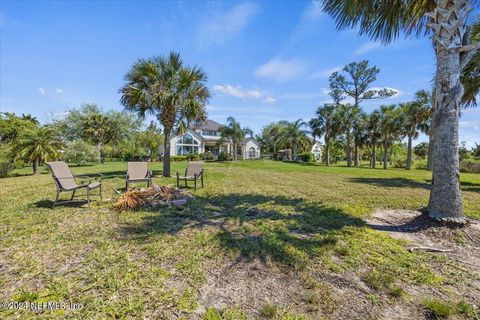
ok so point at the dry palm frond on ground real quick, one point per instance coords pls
(135, 198)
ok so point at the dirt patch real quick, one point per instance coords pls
(461, 245)
(250, 284)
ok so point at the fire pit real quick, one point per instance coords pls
(154, 196)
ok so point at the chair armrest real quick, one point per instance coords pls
(150, 173)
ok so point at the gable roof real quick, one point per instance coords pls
(208, 125)
(251, 139)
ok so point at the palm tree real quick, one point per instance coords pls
(294, 135)
(38, 145)
(374, 134)
(343, 122)
(446, 20)
(175, 94)
(322, 124)
(414, 116)
(233, 131)
(425, 98)
(390, 128)
(98, 129)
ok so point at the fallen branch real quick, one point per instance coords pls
(154, 196)
(429, 249)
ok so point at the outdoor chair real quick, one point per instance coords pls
(65, 182)
(193, 172)
(138, 172)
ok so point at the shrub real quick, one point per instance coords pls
(80, 152)
(306, 157)
(178, 158)
(420, 164)
(470, 166)
(223, 156)
(206, 156)
(399, 161)
(269, 311)
(192, 157)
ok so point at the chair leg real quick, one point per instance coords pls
(178, 181)
(202, 180)
(126, 185)
(195, 184)
(186, 185)
(101, 197)
(56, 199)
(73, 194)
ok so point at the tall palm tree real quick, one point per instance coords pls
(390, 128)
(425, 98)
(294, 135)
(343, 119)
(414, 115)
(322, 124)
(374, 134)
(446, 20)
(174, 93)
(38, 145)
(234, 131)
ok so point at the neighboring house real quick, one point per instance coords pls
(205, 137)
(316, 149)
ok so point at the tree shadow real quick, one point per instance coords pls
(392, 182)
(48, 204)
(470, 186)
(275, 228)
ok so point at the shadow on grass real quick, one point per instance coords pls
(392, 182)
(48, 204)
(282, 229)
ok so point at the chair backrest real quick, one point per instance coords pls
(62, 175)
(194, 167)
(137, 170)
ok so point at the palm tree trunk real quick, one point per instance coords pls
(385, 154)
(431, 143)
(294, 151)
(374, 155)
(356, 155)
(349, 151)
(35, 166)
(408, 166)
(327, 152)
(445, 201)
(166, 153)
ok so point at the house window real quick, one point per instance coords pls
(209, 133)
(187, 144)
(252, 153)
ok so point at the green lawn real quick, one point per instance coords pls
(304, 221)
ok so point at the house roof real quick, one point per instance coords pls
(250, 139)
(208, 125)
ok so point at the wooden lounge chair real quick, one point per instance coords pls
(65, 182)
(138, 172)
(194, 171)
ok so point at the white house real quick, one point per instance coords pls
(205, 137)
(316, 149)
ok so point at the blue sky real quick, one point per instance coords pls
(266, 61)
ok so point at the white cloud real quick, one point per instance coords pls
(223, 26)
(269, 100)
(281, 70)
(314, 11)
(42, 91)
(238, 92)
(58, 90)
(367, 47)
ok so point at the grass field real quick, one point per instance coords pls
(287, 233)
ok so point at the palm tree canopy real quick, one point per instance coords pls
(164, 87)
(41, 143)
(294, 134)
(381, 20)
(470, 77)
